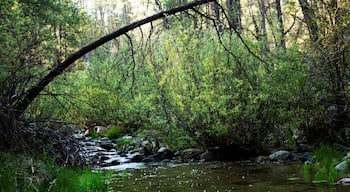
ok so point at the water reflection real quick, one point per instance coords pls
(225, 177)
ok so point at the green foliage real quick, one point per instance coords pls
(191, 90)
(79, 180)
(306, 171)
(20, 173)
(325, 158)
(35, 36)
(94, 134)
(113, 133)
(122, 142)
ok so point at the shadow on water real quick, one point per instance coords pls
(219, 177)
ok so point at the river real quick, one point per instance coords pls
(219, 177)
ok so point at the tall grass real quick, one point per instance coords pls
(113, 133)
(71, 180)
(323, 166)
(21, 173)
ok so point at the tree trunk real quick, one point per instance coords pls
(282, 42)
(217, 16)
(337, 63)
(263, 35)
(22, 104)
(235, 14)
(310, 19)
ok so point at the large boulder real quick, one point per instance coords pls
(135, 157)
(280, 155)
(342, 166)
(149, 147)
(79, 136)
(106, 143)
(344, 181)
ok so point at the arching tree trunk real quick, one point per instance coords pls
(21, 104)
(65, 149)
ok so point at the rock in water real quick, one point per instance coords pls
(79, 136)
(344, 181)
(279, 155)
(164, 153)
(106, 143)
(342, 166)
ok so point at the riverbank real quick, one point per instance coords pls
(107, 158)
(28, 173)
(140, 150)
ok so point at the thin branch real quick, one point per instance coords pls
(266, 64)
(133, 63)
(291, 26)
(22, 104)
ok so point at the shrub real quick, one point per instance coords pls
(113, 133)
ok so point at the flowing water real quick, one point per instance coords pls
(219, 177)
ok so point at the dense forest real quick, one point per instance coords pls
(258, 74)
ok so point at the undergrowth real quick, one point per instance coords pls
(322, 168)
(24, 173)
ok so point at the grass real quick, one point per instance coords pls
(113, 133)
(23, 173)
(94, 134)
(124, 142)
(80, 180)
(323, 167)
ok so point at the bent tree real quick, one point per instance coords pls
(16, 97)
(216, 86)
(33, 92)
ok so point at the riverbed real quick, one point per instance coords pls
(219, 177)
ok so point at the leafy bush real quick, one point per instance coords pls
(113, 133)
(192, 90)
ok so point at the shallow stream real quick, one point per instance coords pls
(219, 177)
